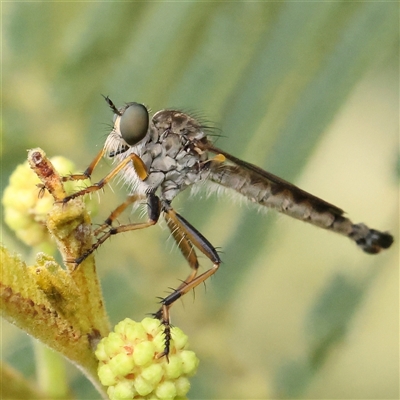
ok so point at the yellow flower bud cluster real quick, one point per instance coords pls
(26, 205)
(129, 366)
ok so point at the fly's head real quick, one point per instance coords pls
(131, 125)
(135, 132)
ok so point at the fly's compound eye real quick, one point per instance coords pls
(134, 123)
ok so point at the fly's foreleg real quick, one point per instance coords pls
(136, 161)
(107, 230)
(186, 237)
(89, 170)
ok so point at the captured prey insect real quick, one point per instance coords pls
(160, 157)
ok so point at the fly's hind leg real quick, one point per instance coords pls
(185, 246)
(187, 237)
(106, 230)
(187, 249)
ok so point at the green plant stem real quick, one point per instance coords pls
(50, 371)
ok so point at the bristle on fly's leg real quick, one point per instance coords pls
(370, 240)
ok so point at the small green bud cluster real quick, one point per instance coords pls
(130, 367)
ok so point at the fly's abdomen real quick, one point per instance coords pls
(370, 240)
(290, 200)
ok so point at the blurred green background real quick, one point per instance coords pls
(308, 91)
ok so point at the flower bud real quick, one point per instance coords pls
(129, 364)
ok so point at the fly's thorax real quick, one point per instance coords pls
(179, 123)
(173, 161)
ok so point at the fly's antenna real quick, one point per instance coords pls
(111, 105)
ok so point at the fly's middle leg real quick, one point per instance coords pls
(116, 213)
(107, 230)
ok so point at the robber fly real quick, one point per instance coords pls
(160, 157)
